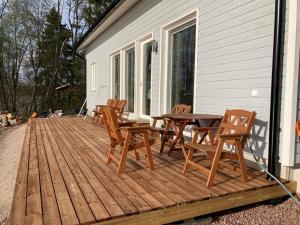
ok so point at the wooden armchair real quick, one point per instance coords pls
(128, 138)
(99, 114)
(119, 109)
(168, 129)
(234, 130)
(298, 128)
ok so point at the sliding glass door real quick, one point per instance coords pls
(181, 65)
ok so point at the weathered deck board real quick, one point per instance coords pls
(63, 179)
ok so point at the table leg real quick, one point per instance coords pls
(164, 137)
(178, 136)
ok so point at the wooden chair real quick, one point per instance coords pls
(111, 103)
(298, 128)
(168, 129)
(234, 131)
(97, 110)
(128, 138)
(120, 108)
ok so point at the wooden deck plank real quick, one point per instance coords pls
(18, 208)
(200, 208)
(82, 209)
(34, 200)
(49, 202)
(136, 199)
(100, 142)
(163, 198)
(159, 185)
(63, 173)
(65, 205)
(226, 185)
(110, 186)
(104, 196)
(96, 206)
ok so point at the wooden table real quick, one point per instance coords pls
(182, 120)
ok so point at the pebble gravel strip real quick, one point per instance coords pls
(285, 213)
(11, 140)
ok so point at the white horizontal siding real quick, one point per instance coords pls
(235, 57)
(234, 52)
(145, 17)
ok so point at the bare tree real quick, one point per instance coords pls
(34, 26)
(3, 102)
(13, 50)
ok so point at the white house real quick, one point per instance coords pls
(212, 54)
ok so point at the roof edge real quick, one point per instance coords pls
(95, 25)
(95, 30)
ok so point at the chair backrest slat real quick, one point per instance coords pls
(237, 121)
(109, 101)
(181, 109)
(112, 125)
(120, 107)
(113, 103)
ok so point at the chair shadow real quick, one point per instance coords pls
(257, 143)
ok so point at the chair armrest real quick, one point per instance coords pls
(141, 129)
(136, 128)
(203, 131)
(236, 136)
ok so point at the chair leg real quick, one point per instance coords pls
(148, 150)
(187, 164)
(215, 163)
(137, 155)
(110, 153)
(163, 142)
(242, 161)
(164, 136)
(101, 121)
(124, 153)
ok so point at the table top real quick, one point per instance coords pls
(191, 116)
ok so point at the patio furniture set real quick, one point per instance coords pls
(222, 140)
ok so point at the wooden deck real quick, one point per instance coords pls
(63, 179)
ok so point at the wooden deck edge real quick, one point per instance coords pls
(200, 208)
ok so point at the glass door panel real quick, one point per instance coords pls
(116, 76)
(129, 79)
(181, 90)
(146, 79)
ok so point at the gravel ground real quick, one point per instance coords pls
(11, 140)
(285, 213)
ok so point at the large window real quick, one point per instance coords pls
(129, 79)
(181, 65)
(93, 77)
(116, 76)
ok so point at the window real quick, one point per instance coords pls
(129, 79)
(93, 77)
(116, 76)
(182, 64)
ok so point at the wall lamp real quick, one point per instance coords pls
(154, 44)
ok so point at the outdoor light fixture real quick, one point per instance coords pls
(154, 46)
